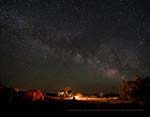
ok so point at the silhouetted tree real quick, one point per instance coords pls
(122, 90)
(7, 95)
(137, 89)
(144, 89)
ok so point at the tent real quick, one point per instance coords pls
(33, 95)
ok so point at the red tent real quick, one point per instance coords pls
(33, 95)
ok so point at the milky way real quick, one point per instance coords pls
(88, 45)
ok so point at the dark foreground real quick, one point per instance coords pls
(72, 106)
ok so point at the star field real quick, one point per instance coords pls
(86, 44)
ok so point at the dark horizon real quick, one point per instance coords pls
(89, 45)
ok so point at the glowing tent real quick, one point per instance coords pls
(33, 95)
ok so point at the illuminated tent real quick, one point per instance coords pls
(33, 95)
(66, 92)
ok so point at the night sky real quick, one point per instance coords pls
(89, 45)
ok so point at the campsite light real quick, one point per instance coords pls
(77, 97)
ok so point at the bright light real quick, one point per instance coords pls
(77, 97)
